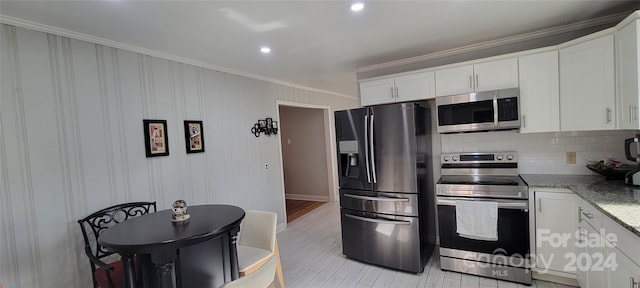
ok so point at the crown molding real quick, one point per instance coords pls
(115, 44)
(498, 42)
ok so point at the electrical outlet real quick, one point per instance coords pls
(571, 157)
(266, 166)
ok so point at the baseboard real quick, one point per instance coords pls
(556, 277)
(281, 227)
(322, 198)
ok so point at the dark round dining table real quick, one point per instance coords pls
(200, 251)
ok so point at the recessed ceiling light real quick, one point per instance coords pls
(265, 49)
(358, 6)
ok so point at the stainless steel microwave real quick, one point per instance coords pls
(482, 111)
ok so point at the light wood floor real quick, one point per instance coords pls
(311, 253)
(297, 208)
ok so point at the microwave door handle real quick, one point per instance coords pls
(366, 147)
(373, 150)
(495, 110)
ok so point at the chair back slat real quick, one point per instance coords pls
(101, 220)
(107, 217)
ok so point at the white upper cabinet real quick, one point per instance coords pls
(496, 75)
(454, 81)
(627, 63)
(479, 77)
(587, 86)
(406, 87)
(539, 92)
(418, 86)
(377, 91)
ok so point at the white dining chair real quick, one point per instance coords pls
(257, 243)
(260, 278)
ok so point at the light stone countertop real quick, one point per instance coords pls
(616, 200)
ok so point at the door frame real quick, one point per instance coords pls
(330, 145)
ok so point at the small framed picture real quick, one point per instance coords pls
(269, 123)
(193, 137)
(155, 138)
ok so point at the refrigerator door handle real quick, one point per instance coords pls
(381, 199)
(373, 149)
(366, 146)
(394, 222)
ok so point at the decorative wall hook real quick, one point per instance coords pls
(266, 126)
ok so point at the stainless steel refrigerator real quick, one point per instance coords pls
(386, 185)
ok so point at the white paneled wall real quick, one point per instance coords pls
(544, 153)
(72, 143)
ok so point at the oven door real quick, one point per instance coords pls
(513, 231)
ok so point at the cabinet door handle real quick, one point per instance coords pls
(634, 284)
(392, 91)
(581, 237)
(579, 215)
(397, 92)
(540, 205)
(630, 113)
(524, 121)
(635, 113)
(588, 215)
(470, 82)
(477, 82)
(608, 115)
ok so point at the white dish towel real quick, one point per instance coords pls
(477, 220)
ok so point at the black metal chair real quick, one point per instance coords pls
(108, 275)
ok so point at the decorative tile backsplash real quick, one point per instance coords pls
(544, 153)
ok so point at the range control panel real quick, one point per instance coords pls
(477, 157)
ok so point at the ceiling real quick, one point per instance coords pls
(316, 44)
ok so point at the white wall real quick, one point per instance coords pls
(544, 153)
(71, 124)
(303, 153)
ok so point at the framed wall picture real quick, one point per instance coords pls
(193, 137)
(155, 138)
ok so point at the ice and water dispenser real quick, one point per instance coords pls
(349, 158)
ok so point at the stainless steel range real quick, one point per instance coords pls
(483, 216)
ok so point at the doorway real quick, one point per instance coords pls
(306, 148)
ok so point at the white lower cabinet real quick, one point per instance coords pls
(590, 254)
(607, 254)
(590, 258)
(582, 275)
(624, 246)
(553, 225)
(626, 273)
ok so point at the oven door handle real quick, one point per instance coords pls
(373, 220)
(506, 205)
(380, 199)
